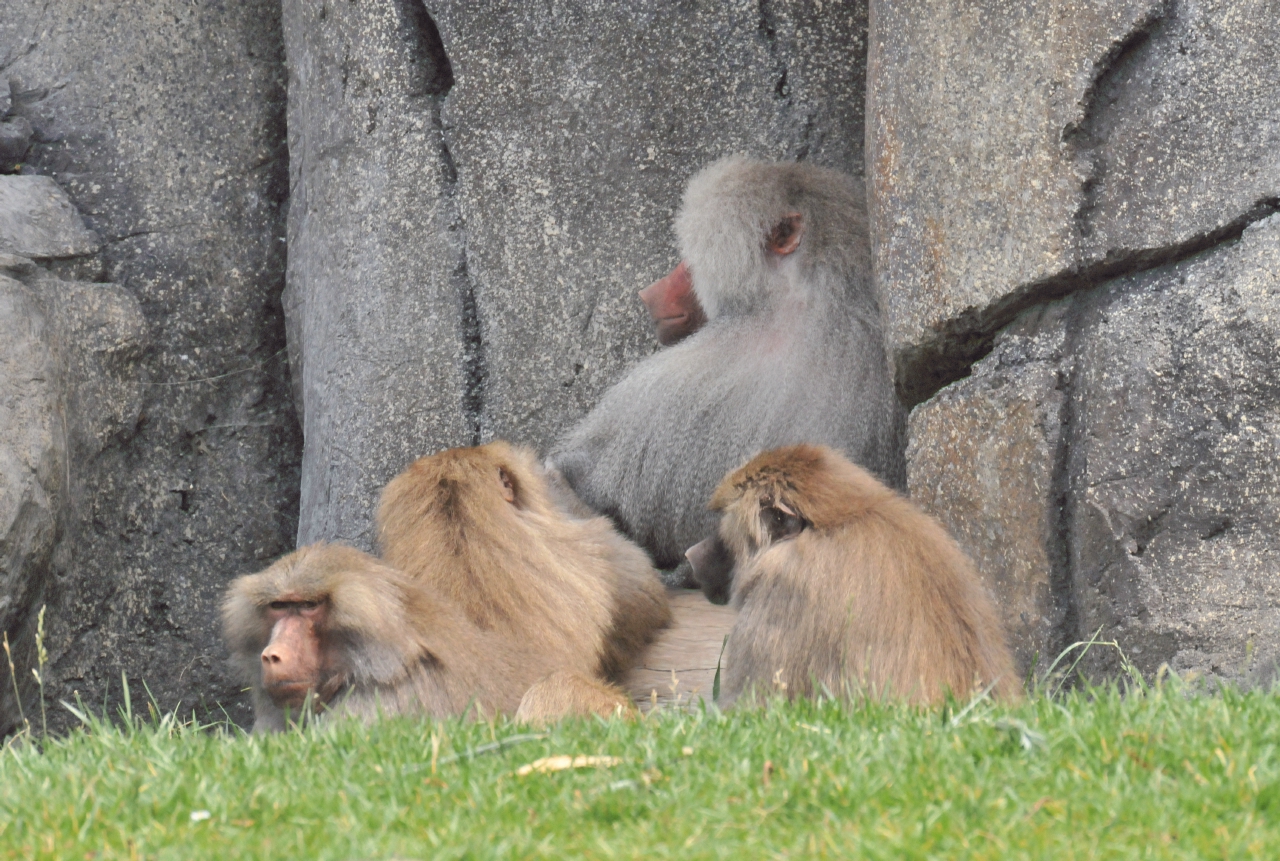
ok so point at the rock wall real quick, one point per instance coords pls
(377, 270)
(387, 228)
(1113, 457)
(161, 459)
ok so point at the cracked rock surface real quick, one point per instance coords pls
(985, 458)
(32, 453)
(1174, 463)
(1081, 196)
(70, 390)
(377, 260)
(163, 123)
(1111, 467)
(1185, 130)
(1017, 154)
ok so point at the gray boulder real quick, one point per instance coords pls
(985, 458)
(1182, 136)
(1175, 464)
(1019, 153)
(1112, 154)
(164, 125)
(70, 385)
(1112, 467)
(377, 288)
(32, 457)
(38, 220)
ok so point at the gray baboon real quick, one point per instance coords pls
(777, 258)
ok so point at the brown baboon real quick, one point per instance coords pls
(481, 525)
(568, 694)
(333, 629)
(777, 261)
(841, 583)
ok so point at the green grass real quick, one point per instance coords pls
(1159, 774)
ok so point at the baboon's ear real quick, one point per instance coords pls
(786, 234)
(508, 485)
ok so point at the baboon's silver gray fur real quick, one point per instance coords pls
(792, 352)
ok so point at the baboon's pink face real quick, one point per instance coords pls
(296, 661)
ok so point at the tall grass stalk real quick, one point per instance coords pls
(13, 677)
(42, 658)
(715, 682)
(1051, 685)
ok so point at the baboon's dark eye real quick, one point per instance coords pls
(781, 522)
(294, 605)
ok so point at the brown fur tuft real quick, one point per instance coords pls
(567, 694)
(570, 587)
(816, 482)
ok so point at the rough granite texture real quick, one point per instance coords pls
(1018, 152)
(32, 454)
(1112, 154)
(377, 270)
(985, 457)
(476, 206)
(164, 123)
(15, 132)
(1185, 131)
(38, 220)
(1175, 463)
(975, 185)
(1112, 467)
(77, 389)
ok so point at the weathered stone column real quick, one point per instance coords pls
(1021, 154)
